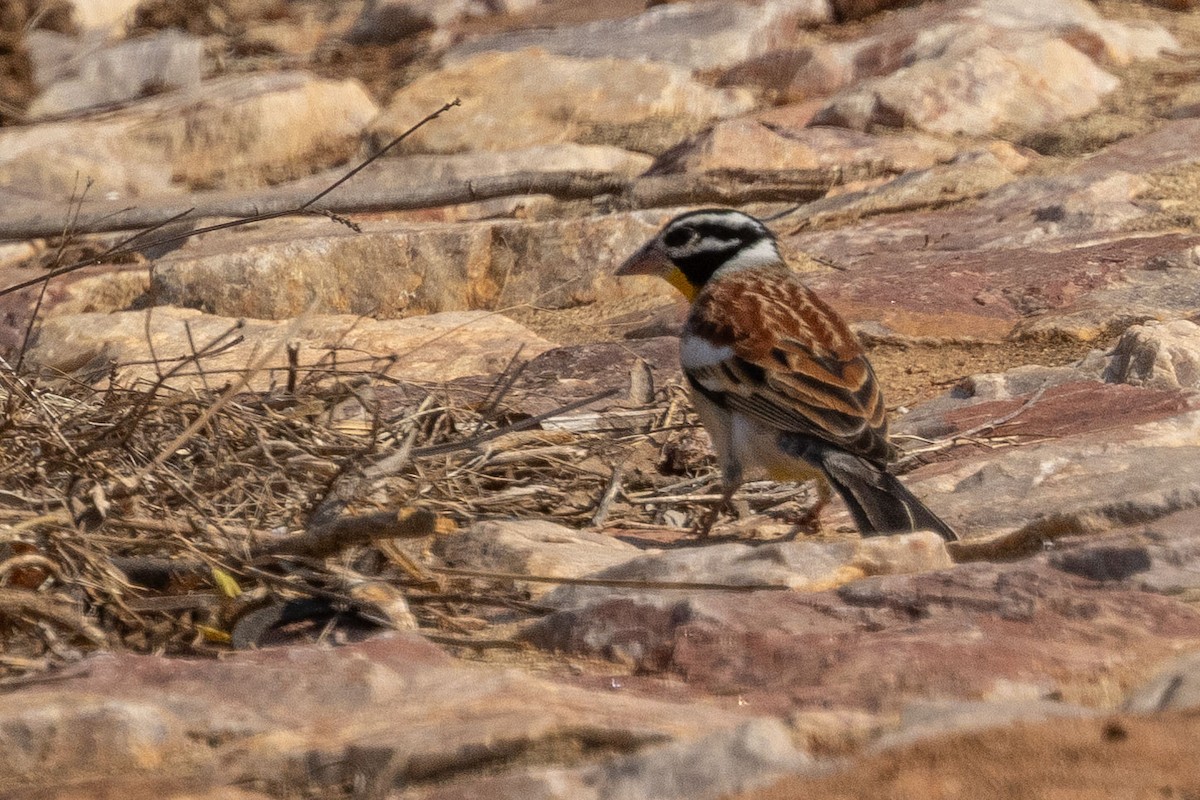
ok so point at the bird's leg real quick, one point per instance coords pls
(731, 479)
(713, 514)
(810, 521)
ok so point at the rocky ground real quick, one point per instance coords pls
(1002, 197)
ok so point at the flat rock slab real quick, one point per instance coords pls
(435, 348)
(1073, 407)
(1038, 256)
(800, 565)
(234, 131)
(398, 268)
(752, 145)
(1085, 472)
(532, 97)
(532, 547)
(395, 713)
(696, 36)
(970, 632)
(93, 74)
(991, 294)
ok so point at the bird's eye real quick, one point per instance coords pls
(678, 237)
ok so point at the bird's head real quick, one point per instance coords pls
(691, 248)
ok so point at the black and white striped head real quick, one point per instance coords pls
(691, 248)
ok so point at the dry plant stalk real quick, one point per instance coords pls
(157, 518)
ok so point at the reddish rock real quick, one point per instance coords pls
(1093, 458)
(848, 10)
(1071, 409)
(757, 146)
(984, 64)
(882, 642)
(925, 31)
(395, 714)
(1052, 255)
(101, 288)
(793, 76)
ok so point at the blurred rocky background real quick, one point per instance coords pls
(1001, 196)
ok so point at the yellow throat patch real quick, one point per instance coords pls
(677, 279)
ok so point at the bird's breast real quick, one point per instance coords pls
(697, 352)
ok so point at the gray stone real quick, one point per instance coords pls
(925, 720)
(1086, 482)
(1104, 563)
(700, 35)
(1158, 355)
(122, 71)
(51, 53)
(388, 21)
(802, 565)
(1164, 561)
(966, 176)
(235, 131)
(532, 547)
(1175, 688)
(721, 764)
(1023, 381)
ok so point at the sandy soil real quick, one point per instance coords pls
(1127, 757)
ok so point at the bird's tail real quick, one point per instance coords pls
(878, 502)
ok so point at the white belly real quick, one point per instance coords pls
(748, 448)
(744, 448)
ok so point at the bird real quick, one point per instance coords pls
(777, 378)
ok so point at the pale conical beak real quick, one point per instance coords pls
(649, 260)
